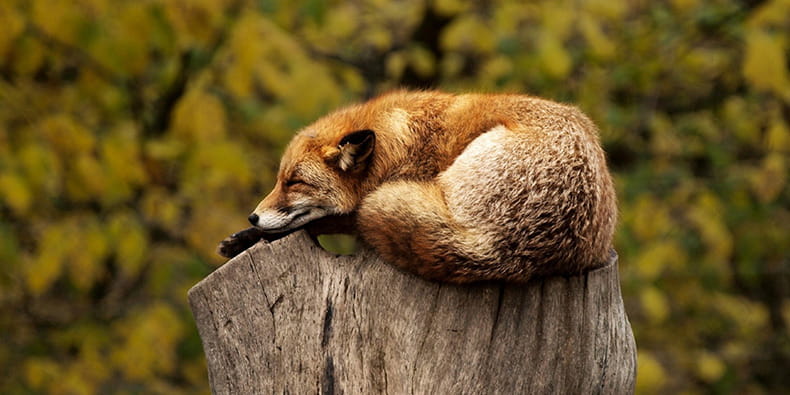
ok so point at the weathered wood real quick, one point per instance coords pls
(290, 317)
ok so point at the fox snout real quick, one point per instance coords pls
(282, 220)
(272, 220)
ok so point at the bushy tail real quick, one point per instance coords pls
(409, 224)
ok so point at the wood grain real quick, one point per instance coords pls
(288, 317)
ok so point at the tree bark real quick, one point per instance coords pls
(289, 317)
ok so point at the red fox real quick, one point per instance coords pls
(456, 188)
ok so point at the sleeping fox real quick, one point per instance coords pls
(455, 188)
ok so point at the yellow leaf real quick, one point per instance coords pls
(654, 304)
(769, 181)
(40, 372)
(736, 349)
(73, 382)
(130, 43)
(132, 250)
(554, 59)
(86, 261)
(770, 14)
(452, 64)
(710, 367)
(161, 207)
(209, 223)
(199, 116)
(650, 376)
(496, 68)
(738, 116)
(53, 246)
(66, 136)
(777, 138)
(610, 10)
(272, 78)
(395, 65)
(148, 342)
(106, 94)
(765, 65)
(121, 159)
(422, 61)
(664, 139)
(467, 33)
(658, 256)
(13, 23)
(244, 54)
(169, 260)
(450, 7)
(558, 18)
(600, 45)
(215, 168)
(353, 81)
(194, 22)
(15, 193)
(58, 19)
(379, 38)
(650, 218)
(706, 61)
(238, 79)
(41, 168)
(87, 180)
(31, 55)
(130, 241)
(311, 90)
(706, 216)
(343, 21)
(748, 318)
(168, 148)
(509, 16)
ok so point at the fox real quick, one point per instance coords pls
(455, 188)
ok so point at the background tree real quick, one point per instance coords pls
(134, 132)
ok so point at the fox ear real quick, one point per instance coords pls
(355, 149)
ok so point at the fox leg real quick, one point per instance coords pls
(410, 225)
(236, 243)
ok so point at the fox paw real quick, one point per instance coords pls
(236, 243)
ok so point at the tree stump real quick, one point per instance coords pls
(289, 317)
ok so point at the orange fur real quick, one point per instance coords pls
(456, 188)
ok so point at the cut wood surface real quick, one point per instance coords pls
(289, 317)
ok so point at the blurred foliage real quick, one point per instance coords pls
(134, 135)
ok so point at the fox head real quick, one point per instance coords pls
(320, 174)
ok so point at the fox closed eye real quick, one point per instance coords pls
(296, 181)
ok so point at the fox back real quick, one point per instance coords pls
(456, 188)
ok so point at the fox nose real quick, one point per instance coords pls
(253, 218)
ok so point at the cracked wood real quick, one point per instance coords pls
(290, 317)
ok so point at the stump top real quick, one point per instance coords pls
(290, 316)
